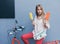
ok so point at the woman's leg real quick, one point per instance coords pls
(39, 41)
(25, 37)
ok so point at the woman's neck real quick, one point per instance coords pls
(39, 17)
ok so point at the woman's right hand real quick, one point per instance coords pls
(33, 23)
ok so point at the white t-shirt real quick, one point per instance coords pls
(39, 27)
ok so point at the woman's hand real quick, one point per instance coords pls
(45, 26)
(45, 22)
(33, 23)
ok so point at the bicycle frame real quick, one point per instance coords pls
(15, 39)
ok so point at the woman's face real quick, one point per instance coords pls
(39, 11)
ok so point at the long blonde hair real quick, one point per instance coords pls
(43, 14)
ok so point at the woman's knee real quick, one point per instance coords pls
(27, 36)
(22, 36)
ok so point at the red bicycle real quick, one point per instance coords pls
(14, 31)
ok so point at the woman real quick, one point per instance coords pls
(39, 24)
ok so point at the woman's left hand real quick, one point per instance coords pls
(45, 26)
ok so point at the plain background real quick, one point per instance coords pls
(22, 9)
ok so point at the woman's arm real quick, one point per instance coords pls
(33, 23)
(46, 24)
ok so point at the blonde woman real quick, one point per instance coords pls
(39, 24)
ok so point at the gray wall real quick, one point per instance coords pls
(22, 9)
